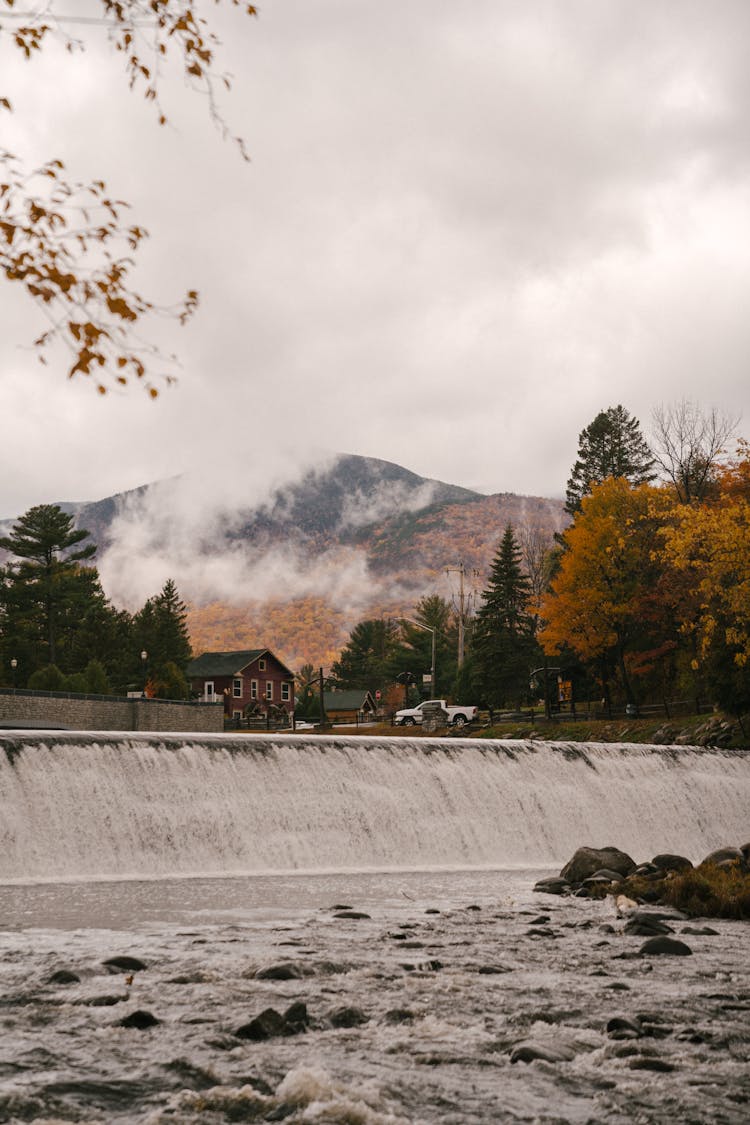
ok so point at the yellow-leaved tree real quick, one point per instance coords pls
(607, 602)
(708, 545)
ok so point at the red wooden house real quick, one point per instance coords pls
(250, 682)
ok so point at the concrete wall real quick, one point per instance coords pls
(107, 712)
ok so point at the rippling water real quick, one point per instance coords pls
(451, 972)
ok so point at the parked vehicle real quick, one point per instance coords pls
(458, 715)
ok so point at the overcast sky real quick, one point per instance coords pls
(466, 228)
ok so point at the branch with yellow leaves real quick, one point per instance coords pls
(67, 245)
(67, 242)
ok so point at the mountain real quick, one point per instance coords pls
(294, 565)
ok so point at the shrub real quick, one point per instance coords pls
(704, 892)
(49, 678)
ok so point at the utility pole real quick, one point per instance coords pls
(460, 570)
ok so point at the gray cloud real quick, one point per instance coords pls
(466, 228)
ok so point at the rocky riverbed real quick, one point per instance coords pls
(433, 997)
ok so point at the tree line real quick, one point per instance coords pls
(58, 630)
(644, 597)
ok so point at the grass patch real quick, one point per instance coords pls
(705, 892)
(691, 730)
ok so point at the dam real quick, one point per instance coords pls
(382, 890)
(109, 805)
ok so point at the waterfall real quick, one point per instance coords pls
(76, 805)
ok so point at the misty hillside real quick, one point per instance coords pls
(294, 566)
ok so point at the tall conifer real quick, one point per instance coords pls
(611, 446)
(504, 649)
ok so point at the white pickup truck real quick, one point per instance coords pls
(458, 716)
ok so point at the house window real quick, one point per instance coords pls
(253, 689)
(262, 665)
(236, 714)
(269, 689)
(285, 693)
(237, 689)
(208, 689)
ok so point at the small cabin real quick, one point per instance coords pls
(349, 706)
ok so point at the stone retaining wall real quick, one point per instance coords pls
(88, 712)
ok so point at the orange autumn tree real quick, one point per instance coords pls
(708, 546)
(606, 603)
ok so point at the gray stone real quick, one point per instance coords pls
(553, 885)
(347, 1017)
(649, 1062)
(64, 976)
(140, 1020)
(587, 861)
(667, 862)
(125, 964)
(285, 970)
(660, 946)
(531, 1050)
(267, 1025)
(726, 857)
(620, 1027)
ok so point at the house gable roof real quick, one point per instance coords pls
(347, 700)
(229, 663)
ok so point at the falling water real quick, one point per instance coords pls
(118, 805)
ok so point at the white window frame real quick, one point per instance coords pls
(237, 688)
(269, 690)
(209, 689)
(286, 693)
(253, 689)
(236, 714)
(262, 665)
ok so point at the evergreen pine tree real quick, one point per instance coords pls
(160, 630)
(47, 583)
(503, 648)
(364, 661)
(611, 446)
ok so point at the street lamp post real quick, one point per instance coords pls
(144, 660)
(428, 629)
(13, 666)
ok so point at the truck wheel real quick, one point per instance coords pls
(408, 722)
(459, 720)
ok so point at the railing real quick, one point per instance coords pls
(34, 693)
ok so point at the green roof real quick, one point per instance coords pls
(347, 700)
(223, 663)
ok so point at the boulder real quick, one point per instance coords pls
(621, 1027)
(284, 970)
(553, 885)
(603, 876)
(347, 1017)
(726, 857)
(267, 1025)
(664, 946)
(648, 927)
(140, 1020)
(669, 862)
(296, 1016)
(124, 964)
(64, 976)
(552, 1052)
(587, 861)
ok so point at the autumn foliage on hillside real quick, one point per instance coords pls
(407, 556)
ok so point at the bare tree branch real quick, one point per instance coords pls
(688, 445)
